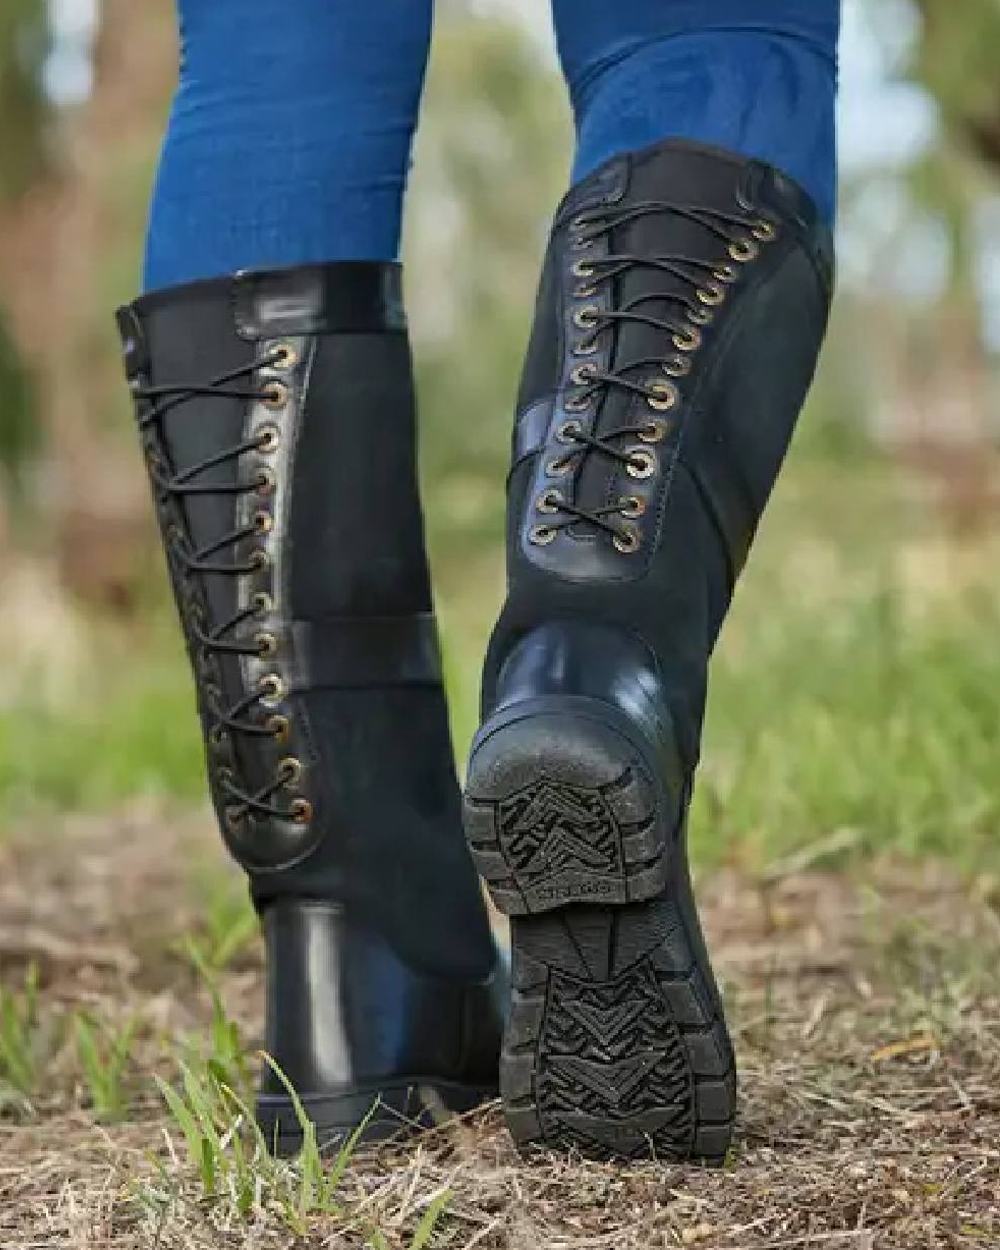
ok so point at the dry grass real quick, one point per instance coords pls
(866, 1011)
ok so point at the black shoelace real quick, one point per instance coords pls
(194, 560)
(702, 288)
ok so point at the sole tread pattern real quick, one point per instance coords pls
(635, 1066)
(616, 1045)
(561, 833)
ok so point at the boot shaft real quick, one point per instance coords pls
(683, 301)
(277, 419)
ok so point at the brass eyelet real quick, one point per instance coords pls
(558, 467)
(568, 430)
(274, 395)
(581, 375)
(550, 501)
(262, 603)
(302, 811)
(577, 403)
(259, 559)
(700, 316)
(654, 432)
(265, 481)
(764, 230)
(263, 522)
(712, 294)
(688, 340)
(268, 437)
(273, 688)
(585, 318)
(217, 736)
(662, 396)
(677, 366)
(224, 775)
(744, 250)
(542, 535)
(581, 239)
(631, 506)
(627, 540)
(585, 347)
(584, 290)
(235, 816)
(725, 273)
(266, 645)
(582, 269)
(290, 770)
(279, 726)
(641, 463)
(284, 357)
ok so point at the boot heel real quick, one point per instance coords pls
(616, 1044)
(562, 807)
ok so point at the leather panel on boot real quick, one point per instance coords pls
(705, 288)
(654, 290)
(351, 297)
(218, 420)
(344, 1010)
(283, 468)
(586, 660)
(277, 415)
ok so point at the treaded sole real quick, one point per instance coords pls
(394, 1111)
(616, 1045)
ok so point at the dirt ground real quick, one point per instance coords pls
(865, 1007)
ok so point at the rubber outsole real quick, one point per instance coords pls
(617, 1045)
(386, 1112)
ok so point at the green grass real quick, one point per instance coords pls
(104, 1053)
(855, 719)
(26, 1041)
(136, 734)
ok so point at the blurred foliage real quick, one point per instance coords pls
(958, 60)
(20, 436)
(491, 162)
(24, 109)
(24, 160)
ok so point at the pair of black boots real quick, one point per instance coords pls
(682, 304)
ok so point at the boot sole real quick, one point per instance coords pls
(402, 1108)
(616, 1046)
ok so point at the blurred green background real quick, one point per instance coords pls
(855, 695)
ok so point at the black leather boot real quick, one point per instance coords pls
(682, 305)
(276, 415)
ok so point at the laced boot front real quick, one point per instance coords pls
(276, 417)
(682, 305)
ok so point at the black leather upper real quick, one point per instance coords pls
(736, 369)
(382, 970)
(337, 646)
(348, 1012)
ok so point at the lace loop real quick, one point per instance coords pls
(701, 286)
(242, 717)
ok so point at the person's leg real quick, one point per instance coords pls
(757, 77)
(289, 138)
(271, 371)
(681, 308)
